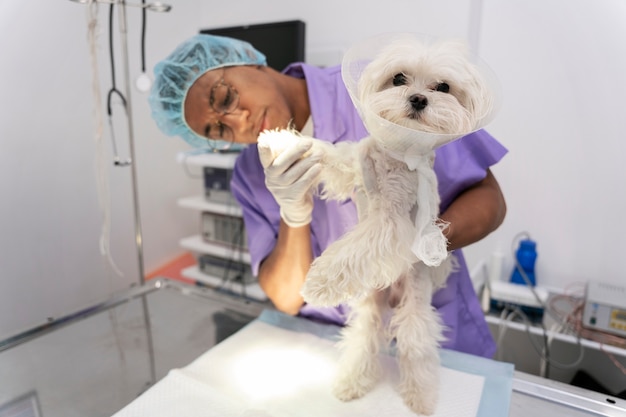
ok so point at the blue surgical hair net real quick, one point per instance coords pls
(174, 75)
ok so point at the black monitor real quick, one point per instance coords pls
(281, 42)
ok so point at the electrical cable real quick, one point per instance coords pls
(238, 246)
(235, 262)
(520, 269)
(524, 317)
(143, 82)
(598, 336)
(241, 244)
(114, 91)
(502, 328)
(102, 184)
(143, 37)
(101, 171)
(539, 350)
(545, 365)
(112, 61)
(571, 322)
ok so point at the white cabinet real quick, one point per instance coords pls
(198, 245)
(198, 202)
(215, 160)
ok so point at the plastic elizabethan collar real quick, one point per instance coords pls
(354, 62)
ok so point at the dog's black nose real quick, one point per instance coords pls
(418, 102)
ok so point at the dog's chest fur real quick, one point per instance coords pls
(386, 183)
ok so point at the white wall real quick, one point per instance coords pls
(334, 25)
(562, 65)
(557, 114)
(49, 217)
(560, 62)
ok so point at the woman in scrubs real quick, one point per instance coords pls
(218, 92)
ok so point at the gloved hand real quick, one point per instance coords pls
(291, 171)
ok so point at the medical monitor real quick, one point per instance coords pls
(281, 42)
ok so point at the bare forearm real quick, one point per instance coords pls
(475, 213)
(283, 272)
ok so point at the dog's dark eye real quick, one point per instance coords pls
(399, 79)
(443, 87)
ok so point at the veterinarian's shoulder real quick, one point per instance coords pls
(316, 77)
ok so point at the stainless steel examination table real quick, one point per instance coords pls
(105, 358)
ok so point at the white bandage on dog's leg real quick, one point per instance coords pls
(431, 247)
(291, 173)
(278, 140)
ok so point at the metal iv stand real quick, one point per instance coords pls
(143, 289)
(159, 7)
(133, 170)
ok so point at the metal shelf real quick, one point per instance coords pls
(202, 204)
(252, 291)
(563, 337)
(196, 244)
(208, 159)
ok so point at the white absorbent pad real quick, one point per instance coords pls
(282, 366)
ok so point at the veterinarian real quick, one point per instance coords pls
(218, 92)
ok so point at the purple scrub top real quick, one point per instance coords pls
(458, 165)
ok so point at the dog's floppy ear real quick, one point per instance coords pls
(481, 101)
(478, 98)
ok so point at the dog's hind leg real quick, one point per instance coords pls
(359, 366)
(418, 331)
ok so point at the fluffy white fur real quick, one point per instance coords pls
(375, 267)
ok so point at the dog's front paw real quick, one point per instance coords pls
(274, 142)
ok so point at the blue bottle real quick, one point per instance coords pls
(526, 255)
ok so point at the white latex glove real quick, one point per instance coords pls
(291, 171)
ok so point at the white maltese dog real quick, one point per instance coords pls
(413, 97)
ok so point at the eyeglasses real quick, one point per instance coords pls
(224, 100)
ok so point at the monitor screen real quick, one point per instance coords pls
(281, 42)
